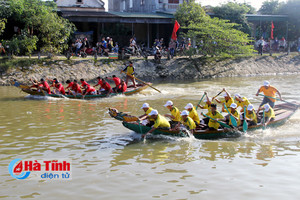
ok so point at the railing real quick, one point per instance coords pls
(172, 6)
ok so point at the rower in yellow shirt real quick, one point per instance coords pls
(269, 114)
(145, 118)
(251, 116)
(270, 91)
(228, 100)
(206, 106)
(216, 115)
(187, 121)
(159, 122)
(192, 113)
(241, 101)
(175, 113)
(233, 112)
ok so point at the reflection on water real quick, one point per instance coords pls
(111, 162)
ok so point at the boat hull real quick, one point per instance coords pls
(282, 113)
(130, 91)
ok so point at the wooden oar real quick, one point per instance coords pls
(279, 100)
(200, 101)
(232, 119)
(245, 124)
(142, 81)
(217, 94)
(221, 123)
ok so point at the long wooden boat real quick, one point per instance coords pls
(282, 113)
(28, 90)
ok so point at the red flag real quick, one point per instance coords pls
(272, 27)
(175, 29)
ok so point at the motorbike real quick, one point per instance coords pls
(157, 55)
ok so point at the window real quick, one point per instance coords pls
(142, 2)
(173, 1)
(79, 1)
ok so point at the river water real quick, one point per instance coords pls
(111, 162)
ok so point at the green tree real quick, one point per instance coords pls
(2, 25)
(213, 36)
(235, 13)
(190, 12)
(270, 7)
(43, 27)
(292, 8)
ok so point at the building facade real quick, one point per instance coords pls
(144, 6)
(80, 5)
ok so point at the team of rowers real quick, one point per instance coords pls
(190, 118)
(74, 88)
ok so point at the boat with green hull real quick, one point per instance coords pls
(282, 113)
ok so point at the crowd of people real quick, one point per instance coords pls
(190, 119)
(83, 88)
(105, 46)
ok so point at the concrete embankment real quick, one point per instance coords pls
(168, 70)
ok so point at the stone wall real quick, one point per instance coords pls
(169, 70)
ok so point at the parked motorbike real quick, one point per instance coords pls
(157, 55)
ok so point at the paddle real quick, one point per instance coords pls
(142, 82)
(232, 119)
(200, 100)
(221, 123)
(245, 124)
(217, 94)
(279, 100)
(263, 120)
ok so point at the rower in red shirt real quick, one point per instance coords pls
(89, 91)
(59, 88)
(52, 81)
(35, 84)
(83, 83)
(69, 87)
(99, 81)
(105, 88)
(122, 87)
(76, 87)
(45, 86)
(117, 82)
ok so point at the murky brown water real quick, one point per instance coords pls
(111, 162)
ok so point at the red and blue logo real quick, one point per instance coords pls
(56, 169)
(15, 169)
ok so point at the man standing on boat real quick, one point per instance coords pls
(269, 91)
(159, 122)
(129, 73)
(175, 113)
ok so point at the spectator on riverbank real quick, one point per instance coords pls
(2, 49)
(78, 45)
(260, 44)
(172, 47)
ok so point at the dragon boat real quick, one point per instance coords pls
(282, 113)
(129, 91)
